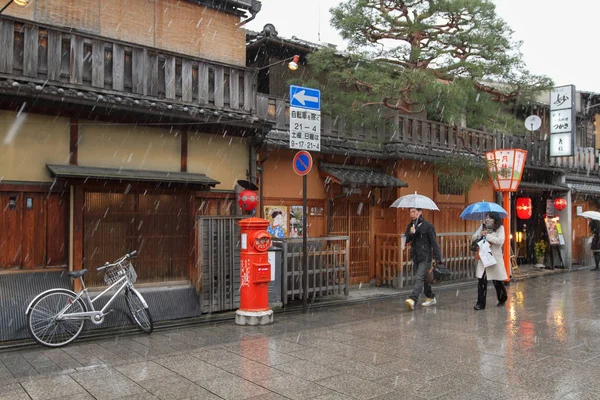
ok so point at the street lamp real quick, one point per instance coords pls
(292, 65)
(21, 3)
(505, 168)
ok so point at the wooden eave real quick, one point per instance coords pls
(113, 106)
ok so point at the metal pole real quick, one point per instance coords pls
(304, 248)
(506, 201)
(4, 7)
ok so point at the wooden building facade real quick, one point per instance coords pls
(358, 205)
(121, 122)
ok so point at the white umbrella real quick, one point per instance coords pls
(415, 201)
(591, 215)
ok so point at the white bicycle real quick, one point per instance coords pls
(57, 316)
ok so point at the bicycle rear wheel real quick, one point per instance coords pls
(43, 325)
(139, 310)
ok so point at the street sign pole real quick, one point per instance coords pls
(305, 134)
(304, 248)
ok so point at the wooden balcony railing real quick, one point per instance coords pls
(34, 52)
(415, 133)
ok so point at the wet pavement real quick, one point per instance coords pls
(544, 344)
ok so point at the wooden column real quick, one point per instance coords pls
(78, 233)
(73, 141)
(184, 152)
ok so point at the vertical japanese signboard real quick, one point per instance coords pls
(562, 121)
(305, 118)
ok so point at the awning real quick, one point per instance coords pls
(77, 171)
(540, 187)
(585, 188)
(347, 175)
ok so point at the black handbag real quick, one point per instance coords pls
(474, 245)
(437, 273)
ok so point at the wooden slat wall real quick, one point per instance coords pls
(76, 60)
(138, 71)
(34, 231)
(156, 225)
(30, 54)
(394, 267)
(38, 235)
(10, 221)
(7, 40)
(98, 64)
(40, 53)
(219, 259)
(54, 55)
(328, 267)
(57, 237)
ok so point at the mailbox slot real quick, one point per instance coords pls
(262, 272)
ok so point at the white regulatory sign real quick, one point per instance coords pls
(305, 129)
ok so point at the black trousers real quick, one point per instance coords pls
(597, 258)
(482, 290)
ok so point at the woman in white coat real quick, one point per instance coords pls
(493, 231)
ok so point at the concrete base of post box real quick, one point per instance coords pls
(254, 317)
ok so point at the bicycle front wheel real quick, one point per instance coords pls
(42, 321)
(139, 310)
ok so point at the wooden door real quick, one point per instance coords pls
(10, 226)
(581, 232)
(352, 218)
(34, 230)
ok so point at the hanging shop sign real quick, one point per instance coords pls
(562, 121)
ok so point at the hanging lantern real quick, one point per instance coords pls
(524, 209)
(560, 204)
(248, 200)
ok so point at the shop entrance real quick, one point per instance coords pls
(352, 218)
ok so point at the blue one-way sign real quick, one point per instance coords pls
(303, 97)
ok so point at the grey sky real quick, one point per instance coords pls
(558, 37)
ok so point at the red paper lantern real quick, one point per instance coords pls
(248, 200)
(560, 203)
(524, 209)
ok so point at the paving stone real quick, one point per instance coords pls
(294, 388)
(543, 345)
(143, 371)
(112, 387)
(49, 388)
(175, 387)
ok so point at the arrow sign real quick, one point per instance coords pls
(304, 97)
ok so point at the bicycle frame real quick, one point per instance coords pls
(123, 281)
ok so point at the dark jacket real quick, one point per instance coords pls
(595, 227)
(423, 242)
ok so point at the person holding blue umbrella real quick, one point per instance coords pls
(492, 231)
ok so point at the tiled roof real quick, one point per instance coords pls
(330, 145)
(585, 188)
(348, 175)
(80, 172)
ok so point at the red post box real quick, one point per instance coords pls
(255, 273)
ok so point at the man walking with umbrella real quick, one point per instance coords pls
(421, 235)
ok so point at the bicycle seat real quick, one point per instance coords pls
(77, 274)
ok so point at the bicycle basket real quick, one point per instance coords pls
(116, 272)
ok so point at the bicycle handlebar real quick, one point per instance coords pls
(133, 254)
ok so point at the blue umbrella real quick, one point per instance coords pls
(478, 211)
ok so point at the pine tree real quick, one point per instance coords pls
(454, 60)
